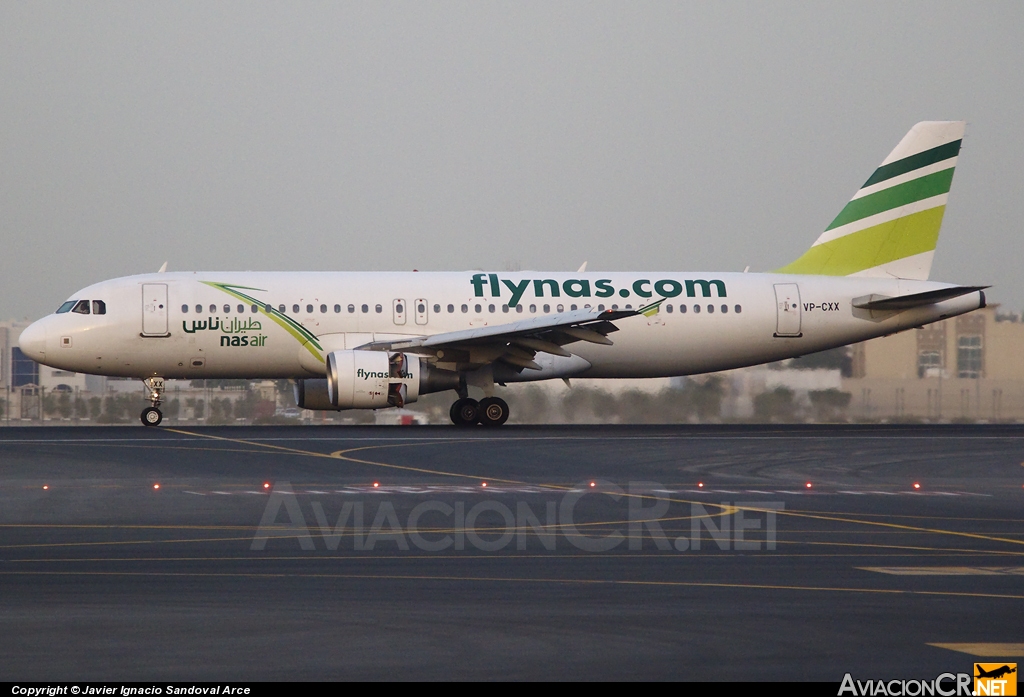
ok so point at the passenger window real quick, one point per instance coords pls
(668, 309)
(696, 309)
(421, 308)
(199, 309)
(477, 309)
(725, 309)
(337, 309)
(615, 307)
(213, 309)
(738, 309)
(399, 308)
(585, 307)
(254, 308)
(465, 308)
(351, 309)
(711, 309)
(365, 309)
(600, 308)
(309, 309)
(378, 309)
(682, 309)
(437, 309)
(323, 309)
(547, 308)
(504, 308)
(280, 308)
(227, 309)
(82, 307)
(241, 309)
(451, 309)
(629, 307)
(533, 308)
(490, 308)
(66, 307)
(519, 308)
(184, 309)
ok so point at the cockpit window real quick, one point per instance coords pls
(66, 307)
(82, 307)
(99, 307)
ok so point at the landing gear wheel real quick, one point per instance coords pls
(465, 412)
(151, 416)
(493, 411)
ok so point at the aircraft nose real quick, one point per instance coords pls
(33, 342)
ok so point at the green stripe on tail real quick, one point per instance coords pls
(892, 230)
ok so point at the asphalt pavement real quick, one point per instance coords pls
(611, 552)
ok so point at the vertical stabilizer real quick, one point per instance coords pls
(891, 226)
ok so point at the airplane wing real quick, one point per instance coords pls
(516, 343)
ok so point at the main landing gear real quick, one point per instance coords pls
(151, 416)
(491, 411)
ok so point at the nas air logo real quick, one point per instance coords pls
(995, 679)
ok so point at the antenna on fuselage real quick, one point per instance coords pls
(582, 268)
(163, 268)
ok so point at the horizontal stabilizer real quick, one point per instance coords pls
(905, 302)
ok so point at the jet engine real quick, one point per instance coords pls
(372, 380)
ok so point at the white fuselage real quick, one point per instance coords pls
(194, 325)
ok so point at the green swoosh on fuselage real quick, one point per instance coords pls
(300, 333)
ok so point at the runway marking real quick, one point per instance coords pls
(343, 454)
(449, 557)
(525, 580)
(909, 548)
(122, 542)
(946, 570)
(986, 650)
(831, 438)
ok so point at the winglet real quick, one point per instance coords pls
(163, 268)
(582, 268)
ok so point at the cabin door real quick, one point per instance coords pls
(787, 308)
(154, 309)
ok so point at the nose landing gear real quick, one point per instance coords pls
(152, 416)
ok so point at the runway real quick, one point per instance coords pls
(577, 553)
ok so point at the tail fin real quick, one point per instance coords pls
(890, 227)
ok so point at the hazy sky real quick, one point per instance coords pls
(445, 136)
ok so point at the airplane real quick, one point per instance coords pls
(367, 340)
(994, 673)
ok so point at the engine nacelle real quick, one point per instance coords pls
(372, 380)
(312, 394)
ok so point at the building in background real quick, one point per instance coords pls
(966, 368)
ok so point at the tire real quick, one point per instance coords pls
(151, 416)
(493, 411)
(465, 412)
